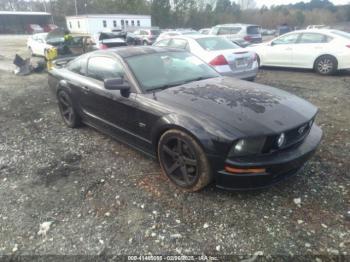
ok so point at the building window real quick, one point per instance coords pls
(78, 24)
(115, 23)
(122, 23)
(138, 23)
(70, 25)
(132, 23)
(104, 23)
(127, 23)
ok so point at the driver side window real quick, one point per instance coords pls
(286, 40)
(101, 68)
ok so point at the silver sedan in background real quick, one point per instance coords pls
(226, 57)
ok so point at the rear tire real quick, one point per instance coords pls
(326, 65)
(183, 161)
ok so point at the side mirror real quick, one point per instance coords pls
(272, 43)
(116, 84)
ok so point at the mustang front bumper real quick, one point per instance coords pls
(278, 166)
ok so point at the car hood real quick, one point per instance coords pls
(250, 108)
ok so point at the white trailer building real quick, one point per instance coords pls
(92, 24)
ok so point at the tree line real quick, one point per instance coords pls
(193, 13)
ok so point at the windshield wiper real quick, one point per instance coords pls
(198, 79)
(163, 87)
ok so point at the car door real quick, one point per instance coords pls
(280, 51)
(35, 45)
(308, 48)
(110, 109)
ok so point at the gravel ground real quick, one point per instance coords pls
(78, 192)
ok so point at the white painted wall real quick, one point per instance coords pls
(93, 24)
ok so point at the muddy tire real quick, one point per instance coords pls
(67, 109)
(183, 161)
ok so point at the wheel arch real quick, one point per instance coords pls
(325, 54)
(185, 124)
(161, 131)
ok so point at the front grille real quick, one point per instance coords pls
(293, 137)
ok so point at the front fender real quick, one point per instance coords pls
(213, 140)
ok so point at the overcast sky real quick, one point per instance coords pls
(285, 2)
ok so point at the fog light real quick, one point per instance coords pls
(281, 140)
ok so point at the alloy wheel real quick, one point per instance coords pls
(66, 108)
(325, 66)
(180, 162)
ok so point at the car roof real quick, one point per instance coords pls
(229, 25)
(322, 30)
(194, 37)
(126, 52)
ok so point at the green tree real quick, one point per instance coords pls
(300, 18)
(161, 13)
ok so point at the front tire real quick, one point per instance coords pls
(183, 161)
(326, 65)
(67, 110)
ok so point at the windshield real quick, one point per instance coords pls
(167, 69)
(216, 43)
(155, 32)
(253, 30)
(342, 34)
(104, 36)
(190, 33)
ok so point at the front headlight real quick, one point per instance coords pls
(248, 146)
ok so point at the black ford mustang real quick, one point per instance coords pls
(202, 127)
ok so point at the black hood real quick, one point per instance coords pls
(250, 108)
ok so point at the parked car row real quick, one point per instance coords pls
(38, 44)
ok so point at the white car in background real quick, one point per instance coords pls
(324, 50)
(168, 34)
(226, 57)
(37, 44)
